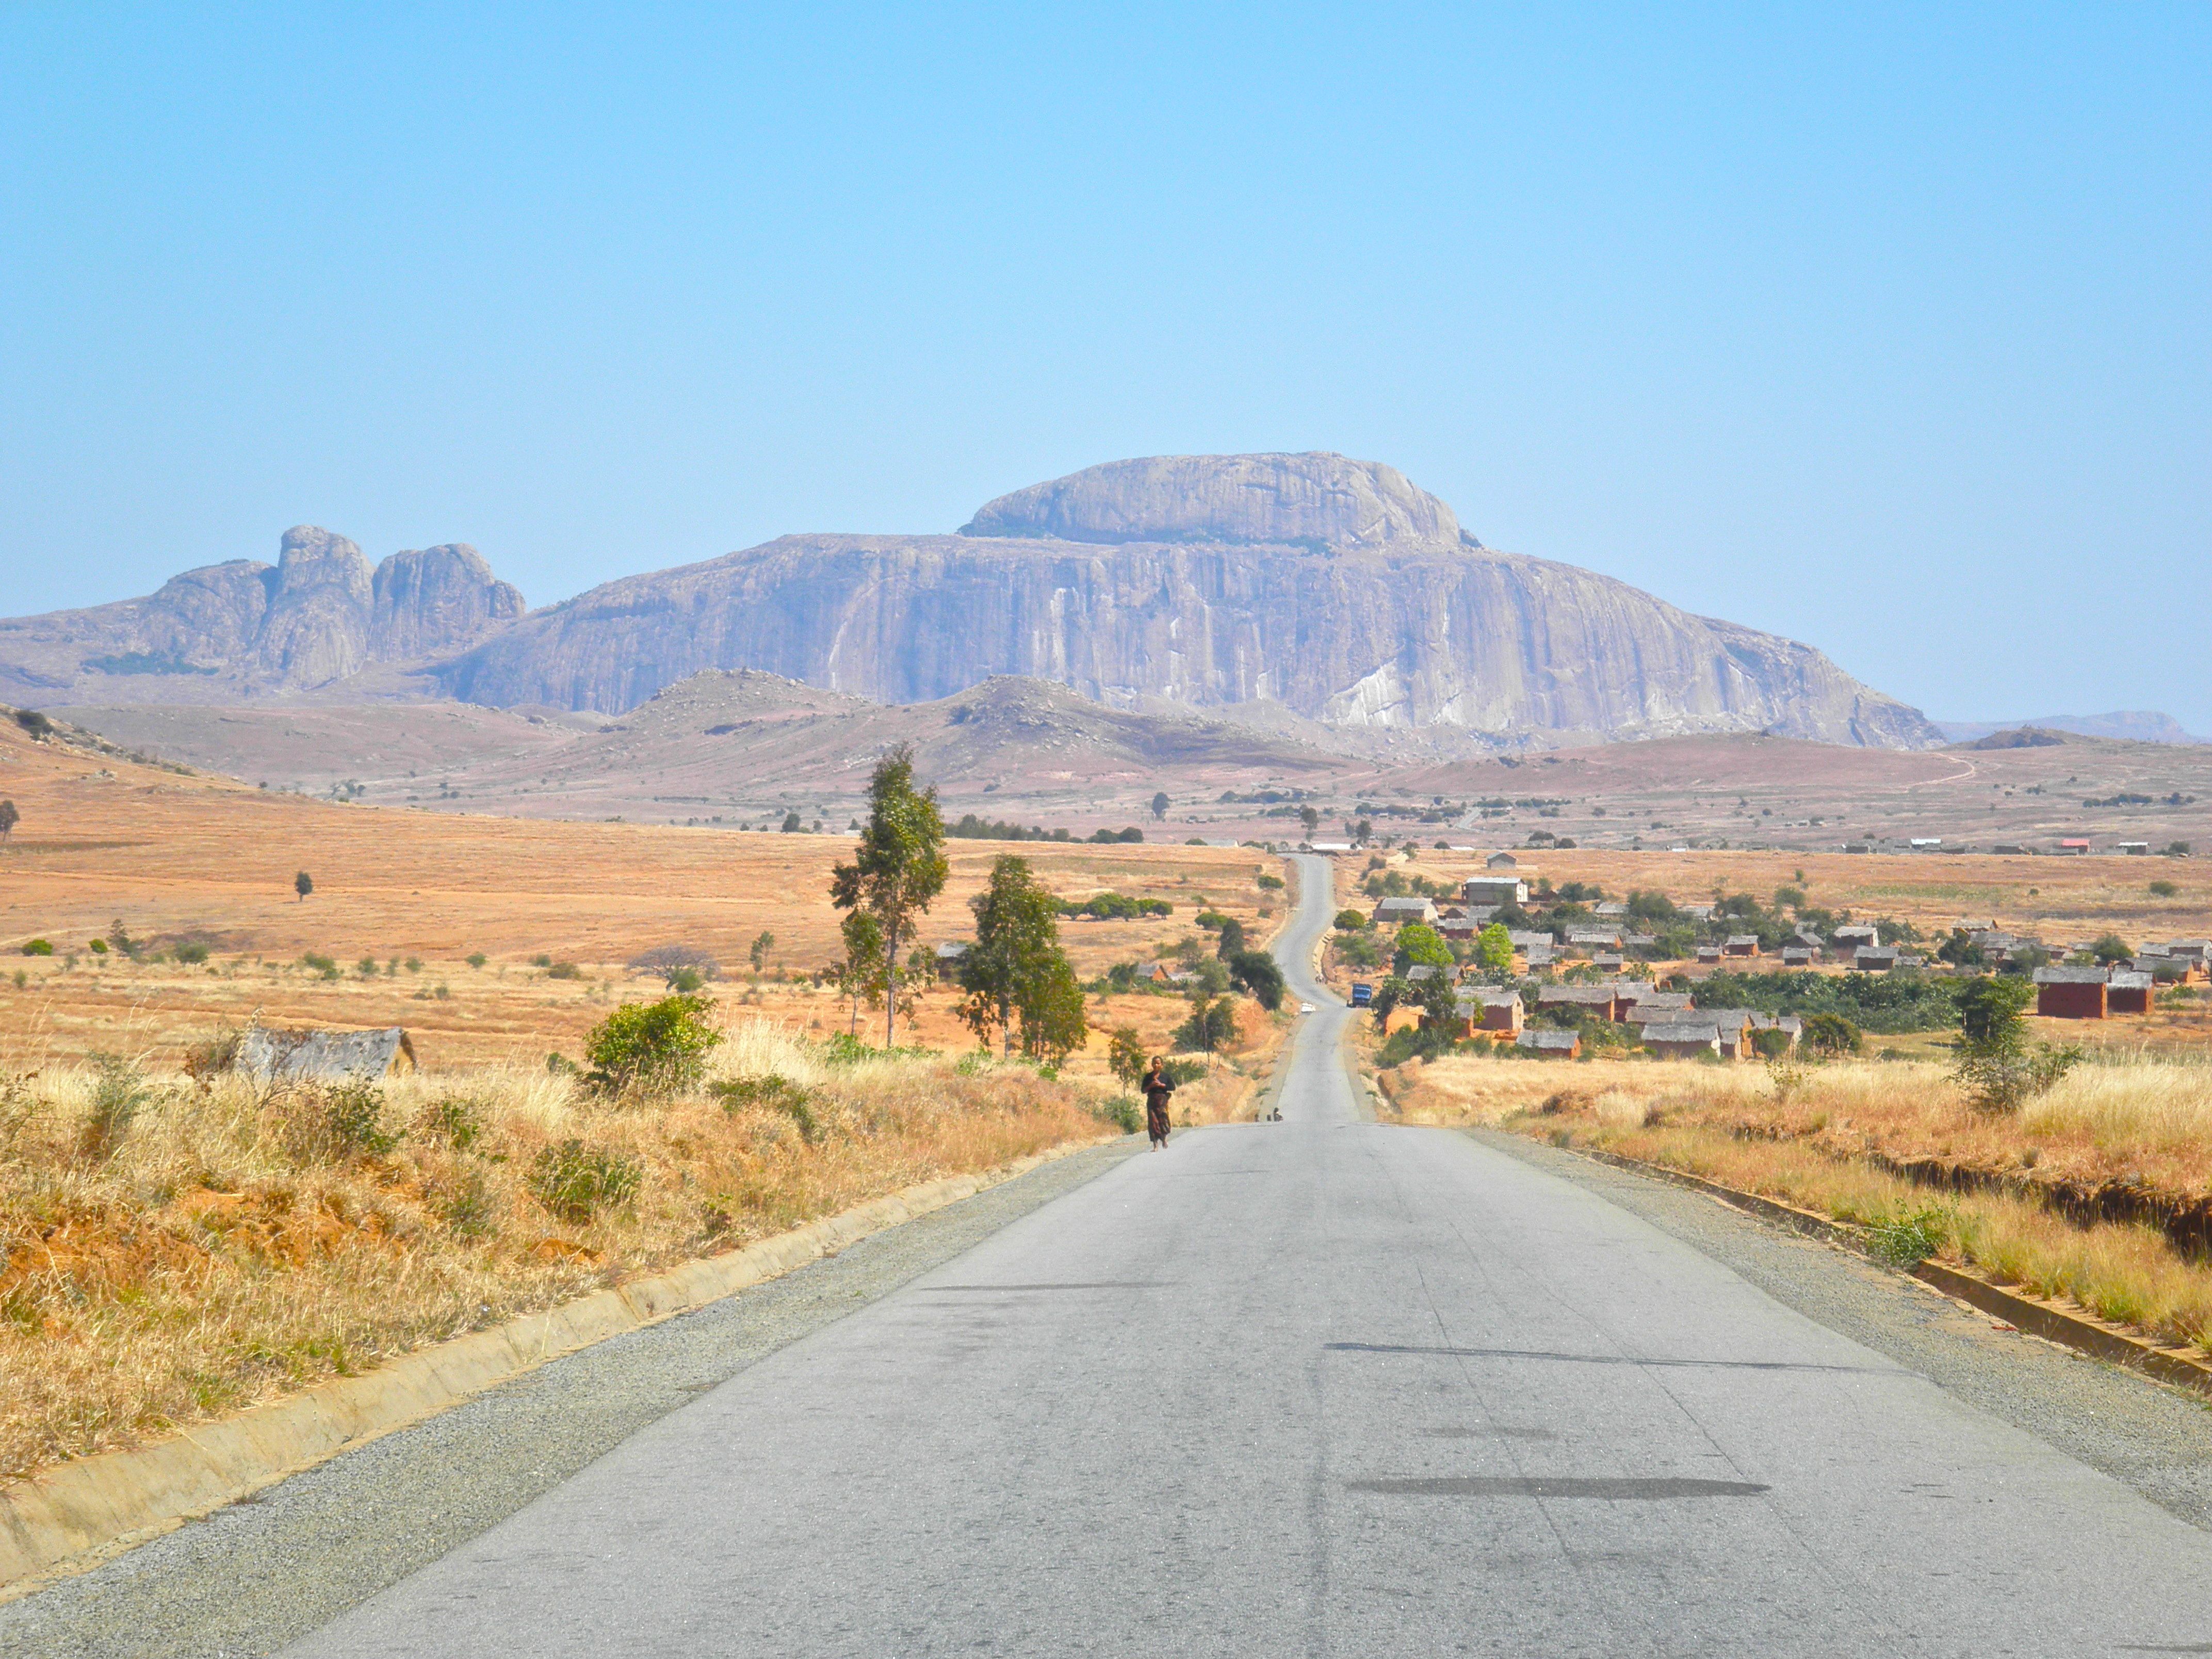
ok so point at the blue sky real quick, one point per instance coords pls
(1886, 328)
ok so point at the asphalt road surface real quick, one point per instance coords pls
(1322, 1386)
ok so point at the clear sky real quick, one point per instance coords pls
(1886, 328)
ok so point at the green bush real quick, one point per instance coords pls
(324, 966)
(191, 954)
(2165, 889)
(1832, 1035)
(455, 1122)
(659, 1048)
(1123, 1112)
(1906, 1241)
(117, 1099)
(1270, 883)
(1352, 921)
(777, 1093)
(569, 970)
(98, 947)
(471, 1208)
(37, 947)
(354, 1121)
(575, 1180)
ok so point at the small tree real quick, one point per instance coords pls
(1831, 1034)
(303, 883)
(900, 865)
(860, 976)
(1211, 1024)
(1053, 1025)
(1160, 804)
(762, 944)
(1125, 1055)
(9, 817)
(1493, 951)
(2111, 947)
(1255, 970)
(1421, 946)
(1352, 921)
(792, 823)
(1996, 1066)
(1311, 819)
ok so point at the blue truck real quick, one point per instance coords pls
(1362, 995)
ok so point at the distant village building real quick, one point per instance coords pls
(1493, 1011)
(948, 959)
(1505, 888)
(1849, 937)
(1874, 958)
(1683, 1039)
(2128, 992)
(1710, 954)
(1740, 944)
(2075, 845)
(2071, 992)
(1800, 956)
(1397, 912)
(1549, 1044)
(1501, 861)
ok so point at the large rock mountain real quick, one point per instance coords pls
(1274, 589)
(1331, 588)
(319, 616)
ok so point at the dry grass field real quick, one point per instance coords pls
(176, 1246)
(199, 859)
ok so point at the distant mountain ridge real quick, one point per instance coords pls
(1330, 589)
(321, 614)
(2134, 725)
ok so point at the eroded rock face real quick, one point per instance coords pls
(1332, 587)
(321, 614)
(1314, 500)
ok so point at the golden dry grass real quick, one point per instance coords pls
(228, 1247)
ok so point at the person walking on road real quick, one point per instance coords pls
(1157, 1087)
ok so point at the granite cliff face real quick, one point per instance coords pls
(1332, 587)
(319, 616)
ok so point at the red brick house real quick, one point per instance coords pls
(2071, 992)
(2128, 992)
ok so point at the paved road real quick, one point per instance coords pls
(1323, 1388)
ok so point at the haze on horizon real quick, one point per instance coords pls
(1886, 333)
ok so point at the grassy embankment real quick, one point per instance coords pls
(177, 1249)
(1895, 1147)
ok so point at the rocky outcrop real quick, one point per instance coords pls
(1318, 501)
(1330, 587)
(317, 615)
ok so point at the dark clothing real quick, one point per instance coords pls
(1157, 1090)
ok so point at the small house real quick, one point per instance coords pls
(1651, 1007)
(1500, 1013)
(1734, 1026)
(1599, 1001)
(1397, 912)
(1542, 955)
(2135, 849)
(1740, 944)
(1608, 962)
(2128, 992)
(1592, 938)
(948, 959)
(2064, 993)
(1682, 1039)
(1800, 956)
(1156, 972)
(1421, 972)
(1503, 888)
(1501, 861)
(2076, 846)
(1849, 937)
(1610, 908)
(1874, 958)
(1548, 1044)
(1710, 954)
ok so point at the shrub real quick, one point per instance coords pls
(191, 954)
(2165, 889)
(213, 1054)
(683, 981)
(1906, 1241)
(366, 967)
(36, 725)
(1123, 1113)
(324, 966)
(1352, 921)
(117, 1099)
(471, 1208)
(659, 1048)
(1771, 1044)
(666, 961)
(456, 1122)
(98, 947)
(37, 947)
(1832, 1035)
(475, 958)
(569, 970)
(1270, 883)
(575, 1180)
(541, 960)
(777, 1093)
(353, 1116)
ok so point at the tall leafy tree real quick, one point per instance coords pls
(9, 817)
(1493, 951)
(1017, 941)
(900, 865)
(1053, 1025)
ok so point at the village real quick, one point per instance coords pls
(1507, 957)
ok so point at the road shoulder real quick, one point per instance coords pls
(2154, 1439)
